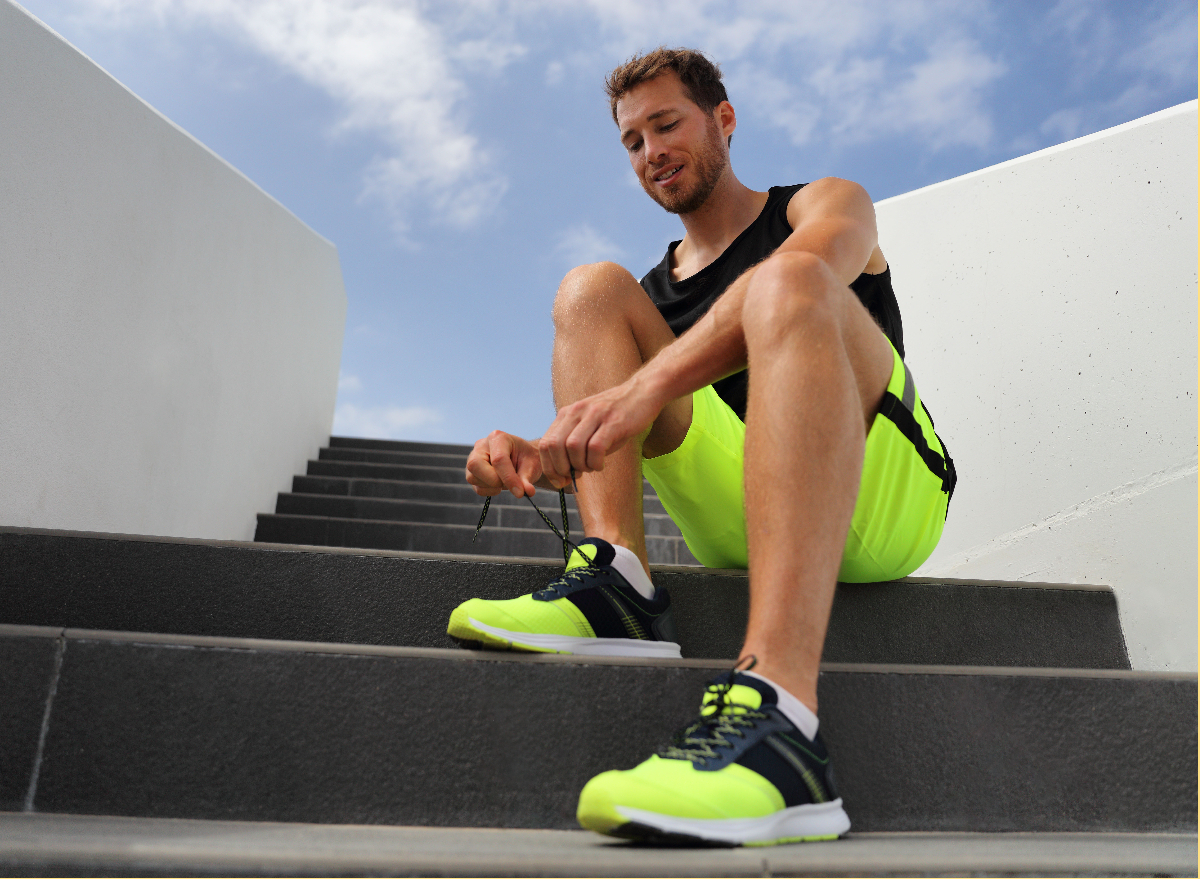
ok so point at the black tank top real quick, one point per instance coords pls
(682, 303)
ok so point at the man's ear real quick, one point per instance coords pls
(726, 119)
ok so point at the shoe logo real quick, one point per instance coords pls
(633, 628)
(799, 747)
(815, 788)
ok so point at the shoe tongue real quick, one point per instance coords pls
(746, 692)
(591, 551)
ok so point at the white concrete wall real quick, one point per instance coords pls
(1050, 319)
(169, 334)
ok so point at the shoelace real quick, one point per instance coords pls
(696, 742)
(564, 535)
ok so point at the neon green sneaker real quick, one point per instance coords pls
(590, 610)
(740, 775)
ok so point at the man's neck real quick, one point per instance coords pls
(710, 229)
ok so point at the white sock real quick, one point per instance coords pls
(791, 707)
(629, 566)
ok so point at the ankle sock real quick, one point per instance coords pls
(629, 566)
(791, 707)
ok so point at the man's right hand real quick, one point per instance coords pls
(501, 461)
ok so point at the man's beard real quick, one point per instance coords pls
(708, 164)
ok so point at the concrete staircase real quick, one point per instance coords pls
(219, 699)
(385, 494)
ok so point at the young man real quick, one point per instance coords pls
(844, 477)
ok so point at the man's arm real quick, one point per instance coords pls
(831, 219)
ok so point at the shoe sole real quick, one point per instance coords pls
(468, 628)
(811, 822)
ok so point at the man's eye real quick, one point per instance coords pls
(669, 126)
(635, 146)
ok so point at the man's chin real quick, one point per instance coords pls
(677, 204)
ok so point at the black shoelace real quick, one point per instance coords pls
(696, 742)
(564, 535)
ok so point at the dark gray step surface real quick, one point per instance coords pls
(375, 456)
(536, 542)
(404, 472)
(87, 845)
(176, 727)
(441, 492)
(195, 587)
(429, 459)
(520, 515)
(348, 442)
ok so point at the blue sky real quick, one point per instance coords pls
(460, 154)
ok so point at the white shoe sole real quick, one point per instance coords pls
(811, 821)
(583, 646)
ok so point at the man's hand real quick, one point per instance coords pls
(501, 461)
(586, 431)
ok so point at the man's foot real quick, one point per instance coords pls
(742, 774)
(590, 610)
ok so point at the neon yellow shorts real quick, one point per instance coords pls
(906, 484)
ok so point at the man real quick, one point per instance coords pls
(844, 476)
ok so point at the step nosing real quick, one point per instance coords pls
(270, 546)
(399, 523)
(263, 645)
(461, 655)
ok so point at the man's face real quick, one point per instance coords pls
(676, 149)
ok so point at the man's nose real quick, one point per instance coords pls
(656, 150)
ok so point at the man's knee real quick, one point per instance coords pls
(596, 286)
(788, 292)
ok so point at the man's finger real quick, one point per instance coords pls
(480, 473)
(555, 464)
(506, 472)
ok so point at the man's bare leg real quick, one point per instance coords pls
(605, 328)
(819, 366)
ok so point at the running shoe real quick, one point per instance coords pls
(591, 610)
(740, 775)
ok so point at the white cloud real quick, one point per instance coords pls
(348, 383)
(582, 244)
(849, 71)
(846, 71)
(397, 73)
(382, 422)
(1154, 56)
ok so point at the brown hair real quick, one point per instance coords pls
(701, 78)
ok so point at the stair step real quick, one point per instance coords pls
(221, 728)
(378, 456)
(405, 472)
(437, 513)
(535, 542)
(81, 845)
(254, 590)
(433, 491)
(351, 442)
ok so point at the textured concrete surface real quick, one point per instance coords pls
(359, 596)
(443, 492)
(42, 845)
(1077, 449)
(171, 333)
(425, 537)
(354, 442)
(26, 673)
(167, 726)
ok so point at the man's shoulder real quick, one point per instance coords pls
(826, 191)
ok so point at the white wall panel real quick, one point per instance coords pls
(169, 334)
(1050, 319)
